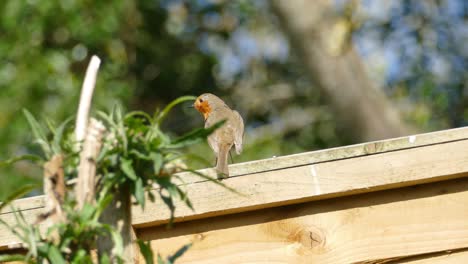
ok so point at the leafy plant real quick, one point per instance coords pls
(72, 241)
(136, 154)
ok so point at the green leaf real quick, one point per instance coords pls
(30, 157)
(102, 204)
(139, 155)
(139, 114)
(105, 259)
(58, 135)
(195, 136)
(140, 192)
(39, 134)
(87, 212)
(81, 256)
(118, 243)
(179, 253)
(18, 193)
(50, 125)
(162, 115)
(127, 168)
(146, 251)
(157, 159)
(12, 257)
(107, 118)
(54, 255)
(172, 189)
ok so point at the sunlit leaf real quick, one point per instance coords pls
(55, 256)
(140, 192)
(127, 168)
(87, 212)
(157, 159)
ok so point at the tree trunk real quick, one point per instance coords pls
(362, 109)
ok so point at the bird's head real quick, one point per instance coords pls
(206, 102)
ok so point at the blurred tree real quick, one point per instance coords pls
(319, 35)
(420, 49)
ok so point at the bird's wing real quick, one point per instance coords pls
(239, 132)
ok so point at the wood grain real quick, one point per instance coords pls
(317, 181)
(366, 228)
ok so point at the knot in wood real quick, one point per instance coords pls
(309, 237)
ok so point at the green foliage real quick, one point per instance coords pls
(65, 242)
(136, 154)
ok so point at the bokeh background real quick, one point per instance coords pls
(305, 75)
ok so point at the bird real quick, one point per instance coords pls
(222, 139)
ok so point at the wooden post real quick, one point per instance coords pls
(119, 215)
(85, 187)
(54, 190)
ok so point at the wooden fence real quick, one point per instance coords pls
(401, 200)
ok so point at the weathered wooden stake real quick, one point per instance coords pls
(54, 190)
(85, 187)
(118, 214)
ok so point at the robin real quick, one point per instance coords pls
(231, 133)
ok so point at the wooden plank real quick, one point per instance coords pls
(368, 148)
(313, 157)
(366, 228)
(317, 181)
(306, 183)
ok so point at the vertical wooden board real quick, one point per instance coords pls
(369, 227)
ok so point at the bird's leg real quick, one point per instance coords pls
(230, 155)
(222, 164)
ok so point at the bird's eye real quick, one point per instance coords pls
(201, 100)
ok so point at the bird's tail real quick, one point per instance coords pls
(222, 163)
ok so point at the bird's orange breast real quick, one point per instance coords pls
(203, 108)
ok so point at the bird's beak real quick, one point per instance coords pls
(191, 106)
